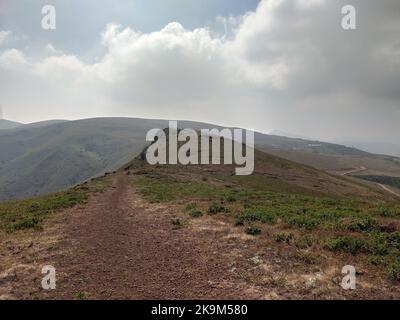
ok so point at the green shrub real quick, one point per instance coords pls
(302, 221)
(283, 237)
(252, 215)
(394, 270)
(389, 212)
(176, 222)
(214, 209)
(377, 244)
(25, 223)
(191, 206)
(196, 214)
(377, 260)
(304, 242)
(347, 244)
(366, 224)
(253, 231)
(82, 295)
(394, 239)
(239, 220)
(231, 198)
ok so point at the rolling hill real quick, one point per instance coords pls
(285, 231)
(7, 124)
(50, 156)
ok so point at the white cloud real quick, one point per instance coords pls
(279, 64)
(13, 59)
(49, 48)
(5, 36)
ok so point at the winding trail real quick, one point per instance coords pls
(117, 246)
(362, 168)
(357, 170)
(388, 190)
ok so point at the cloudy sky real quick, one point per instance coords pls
(270, 64)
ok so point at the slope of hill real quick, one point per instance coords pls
(41, 124)
(271, 173)
(390, 149)
(374, 164)
(316, 147)
(50, 156)
(7, 124)
(284, 232)
(47, 157)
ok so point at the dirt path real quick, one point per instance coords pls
(361, 169)
(116, 246)
(388, 190)
(357, 170)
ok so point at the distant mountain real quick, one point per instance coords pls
(7, 124)
(37, 159)
(296, 144)
(50, 156)
(375, 147)
(287, 134)
(42, 123)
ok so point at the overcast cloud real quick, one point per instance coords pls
(285, 64)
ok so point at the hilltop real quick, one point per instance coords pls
(7, 124)
(51, 156)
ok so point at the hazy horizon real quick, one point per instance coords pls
(267, 65)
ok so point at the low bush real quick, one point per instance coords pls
(283, 237)
(394, 270)
(366, 224)
(347, 244)
(196, 214)
(253, 231)
(214, 209)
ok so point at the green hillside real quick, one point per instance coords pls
(50, 156)
(292, 203)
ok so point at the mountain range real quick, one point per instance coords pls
(50, 156)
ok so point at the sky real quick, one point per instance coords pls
(271, 64)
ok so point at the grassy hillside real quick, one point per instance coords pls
(50, 158)
(53, 155)
(374, 164)
(294, 204)
(312, 218)
(30, 213)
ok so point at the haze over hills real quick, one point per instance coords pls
(376, 147)
(49, 156)
(391, 149)
(7, 124)
(287, 134)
